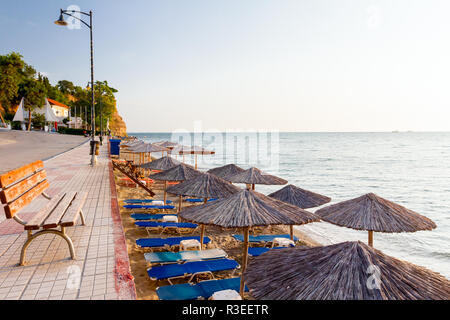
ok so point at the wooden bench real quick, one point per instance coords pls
(21, 186)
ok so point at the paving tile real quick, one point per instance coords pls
(49, 273)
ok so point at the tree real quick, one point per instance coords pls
(33, 92)
(105, 102)
(13, 71)
(38, 120)
(10, 78)
(66, 87)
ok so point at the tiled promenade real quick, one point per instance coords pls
(101, 270)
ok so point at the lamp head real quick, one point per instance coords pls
(61, 21)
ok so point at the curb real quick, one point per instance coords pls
(125, 287)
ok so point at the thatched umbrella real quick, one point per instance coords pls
(163, 163)
(147, 148)
(227, 171)
(195, 150)
(167, 144)
(247, 209)
(180, 172)
(343, 271)
(255, 176)
(126, 146)
(373, 213)
(299, 197)
(204, 186)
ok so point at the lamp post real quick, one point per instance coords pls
(62, 22)
(101, 114)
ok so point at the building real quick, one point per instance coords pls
(60, 109)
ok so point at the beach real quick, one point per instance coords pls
(220, 238)
(18, 148)
(409, 168)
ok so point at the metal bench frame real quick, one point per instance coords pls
(41, 230)
(31, 236)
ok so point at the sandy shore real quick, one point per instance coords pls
(18, 148)
(220, 238)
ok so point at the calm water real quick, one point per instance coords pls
(411, 169)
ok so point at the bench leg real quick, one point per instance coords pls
(31, 237)
(45, 195)
(82, 218)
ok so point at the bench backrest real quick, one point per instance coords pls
(21, 186)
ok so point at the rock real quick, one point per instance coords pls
(117, 125)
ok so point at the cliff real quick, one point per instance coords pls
(117, 125)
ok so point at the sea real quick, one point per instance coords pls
(409, 168)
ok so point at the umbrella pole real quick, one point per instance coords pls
(244, 261)
(371, 238)
(179, 203)
(253, 186)
(165, 193)
(292, 232)
(202, 234)
(195, 162)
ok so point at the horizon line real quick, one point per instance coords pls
(206, 131)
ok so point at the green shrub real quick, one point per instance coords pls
(72, 131)
(38, 120)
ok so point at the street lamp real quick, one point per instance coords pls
(62, 22)
(101, 115)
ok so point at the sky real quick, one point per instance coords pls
(287, 65)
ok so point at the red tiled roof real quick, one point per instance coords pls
(56, 103)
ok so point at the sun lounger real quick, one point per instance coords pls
(203, 289)
(191, 269)
(167, 243)
(184, 256)
(198, 200)
(263, 238)
(167, 226)
(137, 201)
(146, 217)
(143, 206)
(257, 251)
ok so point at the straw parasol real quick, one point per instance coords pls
(167, 144)
(195, 150)
(246, 209)
(343, 271)
(163, 163)
(204, 186)
(180, 172)
(255, 176)
(227, 171)
(373, 213)
(146, 148)
(299, 197)
(126, 146)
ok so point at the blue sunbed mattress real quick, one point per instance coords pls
(143, 206)
(263, 237)
(199, 200)
(257, 251)
(161, 242)
(145, 216)
(203, 289)
(155, 224)
(190, 268)
(133, 201)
